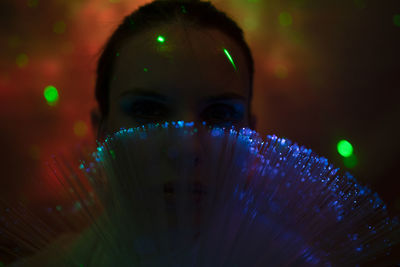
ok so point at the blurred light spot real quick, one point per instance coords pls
(77, 205)
(360, 3)
(117, 54)
(250, 23)
(50, 67)
(145, 69)
(183, 9)
(33, 3)
(396, 20)
(350, 162)
(80, 128)
(51, 95)
(59, 27)
(160, 39)
(34, 152)
(230, 58)
(67, 47)
(344, 148)
(14, 41)
(22, 60)
(59, 208)
(281, 71)
(285, 19)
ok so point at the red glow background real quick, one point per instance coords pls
(333, 73)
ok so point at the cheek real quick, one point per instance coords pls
(117, 120)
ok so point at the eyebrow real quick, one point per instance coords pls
(153, 94)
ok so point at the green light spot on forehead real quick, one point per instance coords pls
(230, 58)
(160, 39)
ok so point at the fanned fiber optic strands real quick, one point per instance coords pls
(180, 194)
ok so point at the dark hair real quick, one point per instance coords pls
(201, 14)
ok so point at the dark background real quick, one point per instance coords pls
(325, 71)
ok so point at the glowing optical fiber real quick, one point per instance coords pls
(51, 95)
(344, 148)
(230, 58)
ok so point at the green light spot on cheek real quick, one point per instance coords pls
(160, 39)
(344, 148)
(230, 58)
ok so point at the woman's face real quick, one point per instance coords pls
(173, 72)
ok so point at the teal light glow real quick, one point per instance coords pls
(160, 39)
(344, 148)
(230, 58)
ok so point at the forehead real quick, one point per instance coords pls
(180, 61)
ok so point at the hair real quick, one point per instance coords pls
(198, 13)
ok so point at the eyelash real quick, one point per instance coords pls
(214, 114)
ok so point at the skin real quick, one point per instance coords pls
(188, 77)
